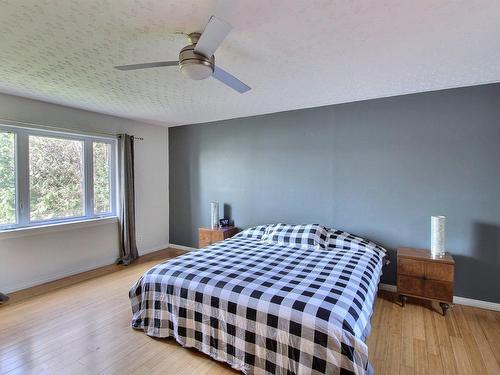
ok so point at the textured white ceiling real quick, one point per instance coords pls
(294, 54)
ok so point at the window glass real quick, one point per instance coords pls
(7, 178)
(55, 178)
(102, 177)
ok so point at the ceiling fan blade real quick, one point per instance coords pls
(230, 80)
(213, 35)
(147, 65)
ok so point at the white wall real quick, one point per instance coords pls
(43, 256)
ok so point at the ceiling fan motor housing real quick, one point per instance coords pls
(194, 65)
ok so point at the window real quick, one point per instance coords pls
(102, 177)
(52, 177)
(7, 178)
(56, 178)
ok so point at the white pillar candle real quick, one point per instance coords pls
(437, 235)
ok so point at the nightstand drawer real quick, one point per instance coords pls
(411, 285)
(439, 290)
(204, 239)
(206, 236)
(440, 272)
(411, 267)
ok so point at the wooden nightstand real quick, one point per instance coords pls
(209, 236)
(421, 276)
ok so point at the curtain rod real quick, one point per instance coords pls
(57, 128)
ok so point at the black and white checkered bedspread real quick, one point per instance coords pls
(265, 308)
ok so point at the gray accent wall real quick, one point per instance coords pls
(377, 168)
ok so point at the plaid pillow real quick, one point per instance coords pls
(338, 239)
(305, 236)
(253, 232)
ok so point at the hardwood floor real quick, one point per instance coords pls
(417, 339)
(81, 325)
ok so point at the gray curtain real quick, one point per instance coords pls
(128, 246)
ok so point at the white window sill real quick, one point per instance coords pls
(56, 227)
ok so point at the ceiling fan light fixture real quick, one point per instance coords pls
(195, 66)
(196, 70)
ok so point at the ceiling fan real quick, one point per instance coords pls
(197, 60)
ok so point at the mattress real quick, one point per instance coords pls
(266, 308)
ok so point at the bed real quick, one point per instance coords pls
(267, 305)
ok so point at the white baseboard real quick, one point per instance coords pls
(388, 287)
(60, 275)
(181, 247)
(155, 248)
(456, 299)
(56, 276)
(476, 303)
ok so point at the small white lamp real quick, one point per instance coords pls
(437, 236)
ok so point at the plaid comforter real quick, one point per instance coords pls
(266, 308)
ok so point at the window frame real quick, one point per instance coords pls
(21, 136)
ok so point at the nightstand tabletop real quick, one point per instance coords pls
(221, 229)
(423, 254)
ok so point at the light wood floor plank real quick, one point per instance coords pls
(448, 360)
(420, 365)
(393, 362)
(407, 349)
(435, 364)
(461, 356)
(81, 325)
(431, 339)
